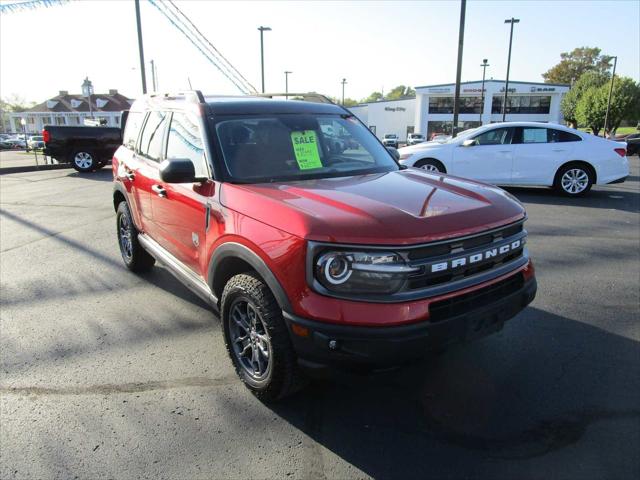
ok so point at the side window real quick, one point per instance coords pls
(152, 135)
(498, 136)
(562, 136)
(534, 135)
(185, 141)
(132, 129)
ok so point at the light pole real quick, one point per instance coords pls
(153, 76)
(606, 115)
(87, 91)
(286, 84)
(23, 122)
(456, 96)
(512, 21)
(484, 66)
(262, 30)
(140, 48)
(344, 80)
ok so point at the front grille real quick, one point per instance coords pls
(457, 259)
(451, 307)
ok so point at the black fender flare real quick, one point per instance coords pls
(237, 250)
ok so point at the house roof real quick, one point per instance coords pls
(75, 102)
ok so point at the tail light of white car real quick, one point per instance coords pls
(621, 151)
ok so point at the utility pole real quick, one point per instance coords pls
(484, 66)
(262, 30)
(344, 80)
(153, 76)
(512, 21)
(140, 48)
(286, 84)
(456, 98)
(606, 116)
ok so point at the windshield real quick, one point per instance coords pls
(36, 139)
(389, 135)
(283, 147)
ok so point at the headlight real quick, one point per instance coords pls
(361, 272)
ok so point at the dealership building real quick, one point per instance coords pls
(431, 111)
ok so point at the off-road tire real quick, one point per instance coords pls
(284, 376)
(139, 260)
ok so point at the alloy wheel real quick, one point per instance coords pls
(249, 339)
(83, 160)
(429, 168)
(125, 233)
(574, 181)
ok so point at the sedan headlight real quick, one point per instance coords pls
(361, 272)
(404, 156)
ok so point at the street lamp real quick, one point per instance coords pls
(286, 84)
(262, 30)
(606, 115)
(23, 122)
(484, 66)
(87, 91)
(512, 21)
(344, 80)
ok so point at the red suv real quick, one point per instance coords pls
(313, 258)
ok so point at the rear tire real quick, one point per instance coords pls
(574, 180)
(257, 338)
(84, 160)
(431, 165)
(135, 257)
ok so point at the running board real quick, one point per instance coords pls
(179, 270)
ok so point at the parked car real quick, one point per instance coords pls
(13, 142)
(390, 140)
(415, 138)
(35, 142)
(313, 260)
(86, 148)
(525, 153)
(633, 144)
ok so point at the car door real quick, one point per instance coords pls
(182, 211)
(487, 157)
(539, 152)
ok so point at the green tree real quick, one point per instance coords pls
(573, 64)
(401, 91)
(350, 102)
(15, 103)
(374, 97)
(590, 79)
(625, 105)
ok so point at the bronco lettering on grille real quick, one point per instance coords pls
(476, 257)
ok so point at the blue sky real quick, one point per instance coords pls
(374, 45)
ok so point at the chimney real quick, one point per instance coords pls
(113, 91)
(63, 92)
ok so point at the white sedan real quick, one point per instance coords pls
(525, 153)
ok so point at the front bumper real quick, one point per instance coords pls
(321, 344)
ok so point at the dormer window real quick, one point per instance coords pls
(75, 103)
(101, 102)
(51, 103)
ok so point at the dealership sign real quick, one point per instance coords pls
(396, 109)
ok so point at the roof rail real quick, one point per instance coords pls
(309, 96)
(194, 96)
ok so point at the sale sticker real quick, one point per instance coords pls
(305, 147)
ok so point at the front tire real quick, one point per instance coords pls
(574, 180)
(431, 165)
(84, 160)
(257, 338)
(135, 257)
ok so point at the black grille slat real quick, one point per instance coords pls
(451, 307)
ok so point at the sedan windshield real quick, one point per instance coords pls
(273, 148)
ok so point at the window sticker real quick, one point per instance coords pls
(305, 147)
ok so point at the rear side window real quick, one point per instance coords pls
(132, 129)
(534, 135)
(185, 141)
(556, 136)
(151, 141)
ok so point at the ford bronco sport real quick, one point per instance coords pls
(313, 258)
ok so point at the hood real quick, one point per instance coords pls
(424, 145)
(397, 208)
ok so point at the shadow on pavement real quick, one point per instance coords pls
(534, 389)
(102, 175)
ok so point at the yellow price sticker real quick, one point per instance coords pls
(305, 148)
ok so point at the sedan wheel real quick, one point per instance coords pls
(574, 181)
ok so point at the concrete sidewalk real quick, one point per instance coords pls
(15, 161)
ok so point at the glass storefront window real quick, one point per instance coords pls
(522, 104)
(436, 128)
(445, 104)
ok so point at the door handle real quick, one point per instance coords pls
(558, 150)
(159, 189)
(504, 151)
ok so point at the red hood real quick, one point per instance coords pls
(403, 207)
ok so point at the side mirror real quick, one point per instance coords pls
(469, 142)
(394, 153)
(177, 170)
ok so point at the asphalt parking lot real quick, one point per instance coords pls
(109, 374)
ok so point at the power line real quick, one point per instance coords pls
(226, 70)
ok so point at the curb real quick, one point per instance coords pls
(34, 168)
